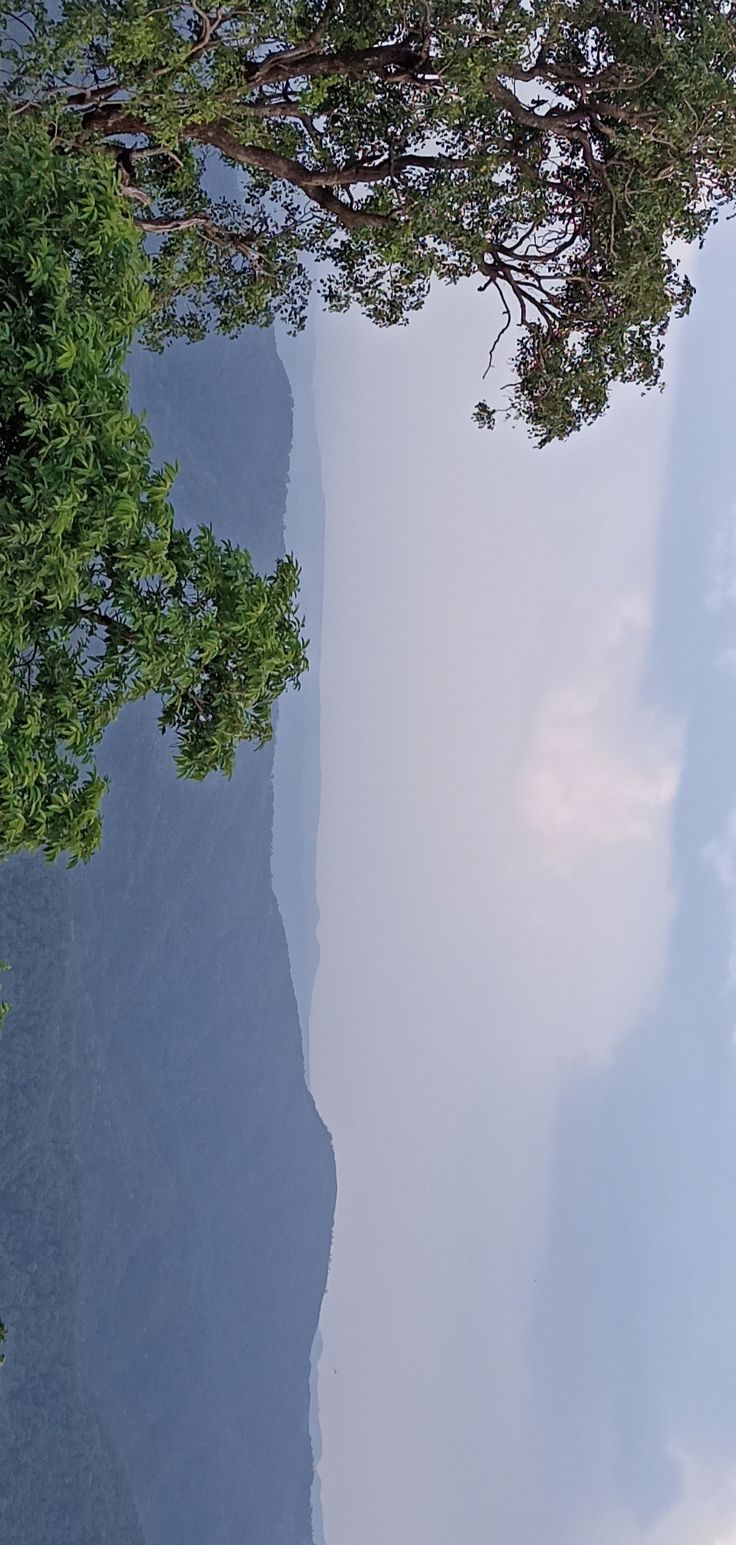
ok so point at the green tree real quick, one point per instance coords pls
(556, 150)
(102, 598)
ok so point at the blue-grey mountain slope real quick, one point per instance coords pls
(297, 776)
(172, 1148)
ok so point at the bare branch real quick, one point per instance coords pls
(316, 36)
(217, 235)
(315, 185)
(504, 328)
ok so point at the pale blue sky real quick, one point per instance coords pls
(529, 1075)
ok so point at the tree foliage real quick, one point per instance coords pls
(555, 150)
(102, 598)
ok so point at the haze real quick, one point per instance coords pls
(507, 703)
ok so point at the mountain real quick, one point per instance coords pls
(297, 773)
(61, 1477)
(155, 1115)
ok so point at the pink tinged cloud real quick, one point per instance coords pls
(598, 770)
(578, 788)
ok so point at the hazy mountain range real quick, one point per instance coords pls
(297, 755)
(167, 1187)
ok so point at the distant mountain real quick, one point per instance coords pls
(62, 1478)
(185, 1180)
(297, 761)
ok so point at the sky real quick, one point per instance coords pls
(517, 1037)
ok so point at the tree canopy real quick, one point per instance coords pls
(554, 150)
(102, 599)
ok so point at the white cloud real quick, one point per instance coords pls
(598, 770)
(720, 854)
(722, 591)
(630, 615)
(704, 1514)
(707, 1509)
(579, 789)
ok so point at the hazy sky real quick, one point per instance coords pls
(491, 1012)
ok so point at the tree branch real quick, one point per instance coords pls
(314, 184)
(288, 64)
(218, 235)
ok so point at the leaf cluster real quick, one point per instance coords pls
(102, 598)
(555, 151)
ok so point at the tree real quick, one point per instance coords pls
(553, 149)
(102, 599)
